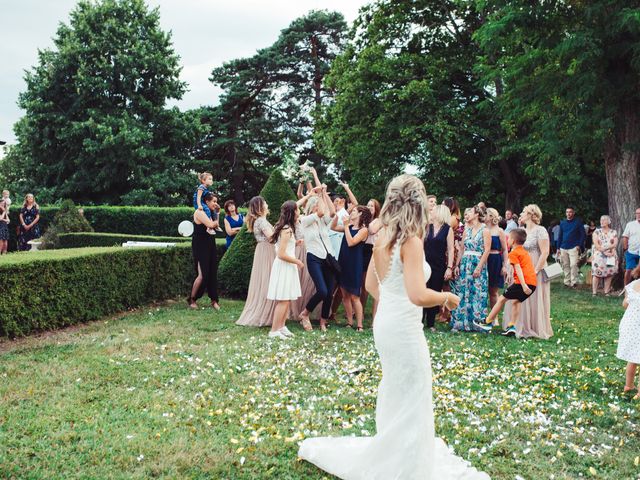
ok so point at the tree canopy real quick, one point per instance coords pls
(96, 127)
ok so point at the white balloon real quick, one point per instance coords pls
(185, 228)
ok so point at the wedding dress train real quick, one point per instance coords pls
(405, 446)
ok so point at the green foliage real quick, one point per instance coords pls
(92, 239)
(234, 271)
(269, 103)
(67, 219)
(154, 221)
(96, 127)
(52, 289)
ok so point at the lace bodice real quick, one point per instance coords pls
(260, 227)
(393, 282)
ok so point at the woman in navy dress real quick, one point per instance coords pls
(233, 221)
(498, 256)
(29, 218)
(351, 261)
(438, 252)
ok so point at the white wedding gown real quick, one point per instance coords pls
(405, 446)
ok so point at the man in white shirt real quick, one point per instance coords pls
(511, 223)
(631, 246)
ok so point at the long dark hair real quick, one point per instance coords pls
(287, 219)
(453, 205)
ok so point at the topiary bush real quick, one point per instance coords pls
(67, 219)
(56, 288)
(235, 268)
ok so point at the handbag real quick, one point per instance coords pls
(551, 271)
(330, 260)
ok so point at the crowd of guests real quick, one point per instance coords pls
(29, 218)
(316, 256)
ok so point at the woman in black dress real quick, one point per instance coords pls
(205, 255)
(438, 252)
(29, 218)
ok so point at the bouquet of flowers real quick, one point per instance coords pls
(304, 175)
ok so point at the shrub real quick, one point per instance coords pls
(66, 220)
(235, 268)
(55, 288)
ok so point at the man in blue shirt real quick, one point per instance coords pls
(571, 239)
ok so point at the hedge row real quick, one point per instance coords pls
(154, 221)
(52, 289)
(95, 239)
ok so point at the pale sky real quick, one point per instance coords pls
(205, 33)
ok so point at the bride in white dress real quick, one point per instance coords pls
(405, 445)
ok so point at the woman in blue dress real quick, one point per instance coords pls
(351, 261)
(233, 221)
(498, 255)
(472, 284)
(29, 218)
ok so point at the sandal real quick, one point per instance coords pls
(359, 329)
(306, 323)
(192, 303)
(215, 306)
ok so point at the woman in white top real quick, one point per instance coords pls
(315, 228)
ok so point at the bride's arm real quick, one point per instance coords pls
(412, 260)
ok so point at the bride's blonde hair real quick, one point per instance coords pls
(404, 213)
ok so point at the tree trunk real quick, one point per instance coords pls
(621, 164)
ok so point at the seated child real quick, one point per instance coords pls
(206, 180)
(524, 283)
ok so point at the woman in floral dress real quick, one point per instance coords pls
(29, 218)
(605, 255)
(472, 284)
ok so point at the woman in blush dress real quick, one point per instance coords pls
(405, 445)
(535, 314)
(258, 310)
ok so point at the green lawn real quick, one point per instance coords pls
(168, 392)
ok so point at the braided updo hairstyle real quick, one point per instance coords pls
(404, 213)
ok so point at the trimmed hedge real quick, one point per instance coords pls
(235, 268)
(52, 289)
(86, 239)
(154, 221)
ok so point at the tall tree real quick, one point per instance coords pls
(571, 72)
(96, 127)
(406, 93)
(267, 111)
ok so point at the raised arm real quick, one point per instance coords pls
(352, 197)
(316, 179)
(204, 219)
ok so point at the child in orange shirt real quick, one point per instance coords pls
(522, 288)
